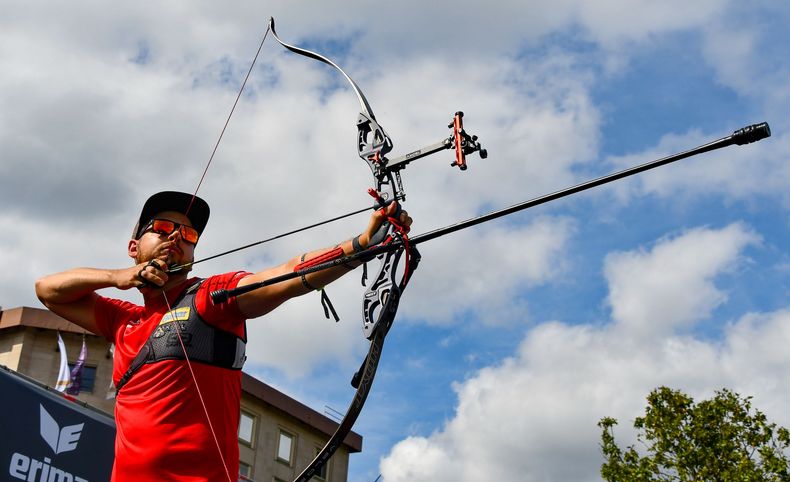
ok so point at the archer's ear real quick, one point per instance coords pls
(131, 249)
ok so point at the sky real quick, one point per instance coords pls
(515, 337)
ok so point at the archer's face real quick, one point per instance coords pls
(170, 248)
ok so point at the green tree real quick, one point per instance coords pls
(722, 439)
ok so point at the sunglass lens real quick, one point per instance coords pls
(190, 234)
(162, 226)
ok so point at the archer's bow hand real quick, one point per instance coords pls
(377, 230)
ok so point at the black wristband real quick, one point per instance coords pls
(307, 285)
(355, 244)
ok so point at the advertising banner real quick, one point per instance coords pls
(48, 438)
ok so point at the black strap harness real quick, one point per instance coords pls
(203, 342)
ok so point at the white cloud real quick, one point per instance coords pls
(533, 417)
(612, 22)
(483, 271)
(756, 355)
(657, 292)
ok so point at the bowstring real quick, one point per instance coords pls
(186, 213)
(197, 388)
(227, 121)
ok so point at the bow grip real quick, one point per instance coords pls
(752, 133)
(382, 204)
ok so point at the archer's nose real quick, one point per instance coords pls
(175, 236)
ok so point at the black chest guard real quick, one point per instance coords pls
(203, 342)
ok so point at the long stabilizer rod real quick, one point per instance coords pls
(746, 135)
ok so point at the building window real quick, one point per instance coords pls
(245, 472)
(285, 447)
(246, 427)
(322, 474)
(88, 377)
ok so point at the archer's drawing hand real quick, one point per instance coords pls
(144, 275)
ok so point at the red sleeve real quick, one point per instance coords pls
(110, 314)
(225, 316)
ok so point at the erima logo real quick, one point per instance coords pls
(59, 439)
(25, 468)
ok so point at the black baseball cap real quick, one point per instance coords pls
(195, 208)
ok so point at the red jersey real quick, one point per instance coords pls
(162, 431)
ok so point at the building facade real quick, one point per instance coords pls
(278, 436)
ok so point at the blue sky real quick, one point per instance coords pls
(515, 337)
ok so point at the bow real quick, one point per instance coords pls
(382, 296)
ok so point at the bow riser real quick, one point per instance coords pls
(381, 299)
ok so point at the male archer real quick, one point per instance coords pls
(166, 430)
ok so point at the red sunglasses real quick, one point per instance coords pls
(167, 227)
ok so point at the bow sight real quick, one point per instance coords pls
(463, 143)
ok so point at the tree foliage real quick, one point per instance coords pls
(721, 439)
